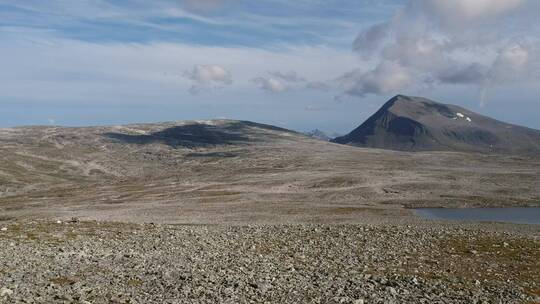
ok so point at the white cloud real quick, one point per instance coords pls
(433, 42)
(38, 66)
(208, 74)
(461, 13)
(371, 39)
(473, 73)
(278, 81)
(511, 62)
(387, 77)
(207, 77)
(270, 84)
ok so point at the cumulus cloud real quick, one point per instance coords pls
(368, 41)
(270, 84)
(473, 73)
(387, 77)
(208, 77)
(278, 81)
(461, 42)
(511, 62)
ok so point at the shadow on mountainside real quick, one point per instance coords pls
(189, 136)
(201, 135)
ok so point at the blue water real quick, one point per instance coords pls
(526, 215)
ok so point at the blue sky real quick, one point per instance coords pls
(301, 64)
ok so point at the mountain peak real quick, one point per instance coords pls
(420, 124)
(401, 96)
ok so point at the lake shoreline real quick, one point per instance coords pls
(515, 215)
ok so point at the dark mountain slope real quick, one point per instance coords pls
(419, 124)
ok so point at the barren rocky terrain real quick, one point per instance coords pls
(237, 212)
(89, 262)
(237, 172)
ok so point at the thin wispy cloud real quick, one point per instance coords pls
(203, 21)
(290, 76)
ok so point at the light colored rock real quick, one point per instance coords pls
(343, 264)
(5, 292)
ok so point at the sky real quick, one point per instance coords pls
(304, 64)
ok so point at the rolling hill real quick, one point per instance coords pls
(227, 171)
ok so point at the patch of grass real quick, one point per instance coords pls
(334, 182)
(218, 193)
(490, 257)
(352, 210)
(13, 208)
(71, 235)
(5, 218)
(62, 281)
(495, 247)
(134, 282)
(32, 236)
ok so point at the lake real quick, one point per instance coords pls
(525, 215)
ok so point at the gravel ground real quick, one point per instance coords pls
(92, 262)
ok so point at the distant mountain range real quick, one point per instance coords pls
(318, 134)
(418, 124)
